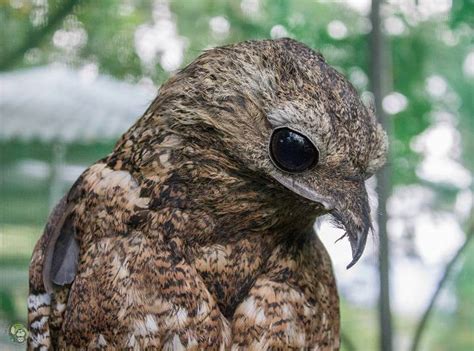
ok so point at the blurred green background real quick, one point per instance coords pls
(75, 74)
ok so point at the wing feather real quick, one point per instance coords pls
(62, 251)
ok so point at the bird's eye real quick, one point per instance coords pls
(292, 151)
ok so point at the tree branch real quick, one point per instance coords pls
(379, 77)
(447, 271)
(35, 37)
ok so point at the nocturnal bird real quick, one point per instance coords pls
(196, 231)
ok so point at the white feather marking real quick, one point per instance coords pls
(192, 342)
(111, 179)
(324, 319)
(131, 341)
(250, 309)
(39, 339)
(140, 328)
(164, 157)
(287, 311)
(101, 340)
(122, 272)
(151, 323)
(177, 345)
(36, 301)
(296, 336)
(60, 307)
(308, 311)
(260, 317)
(39, 323)
(203, 309)
(174, 344)
(181, 316)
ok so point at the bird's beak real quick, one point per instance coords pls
(352, 212)
(347, 202)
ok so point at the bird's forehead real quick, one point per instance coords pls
(335, 133)
(285, 83)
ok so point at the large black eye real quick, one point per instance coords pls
(292, 151)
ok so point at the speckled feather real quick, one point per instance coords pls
(186, 239)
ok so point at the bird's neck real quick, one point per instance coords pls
(233, 206)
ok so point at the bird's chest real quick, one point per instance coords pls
(230, 270)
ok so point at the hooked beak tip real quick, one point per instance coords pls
(358, 245)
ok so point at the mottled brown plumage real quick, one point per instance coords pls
(187, 236)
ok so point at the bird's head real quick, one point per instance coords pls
(280, 112)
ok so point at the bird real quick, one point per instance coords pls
(197, 231)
